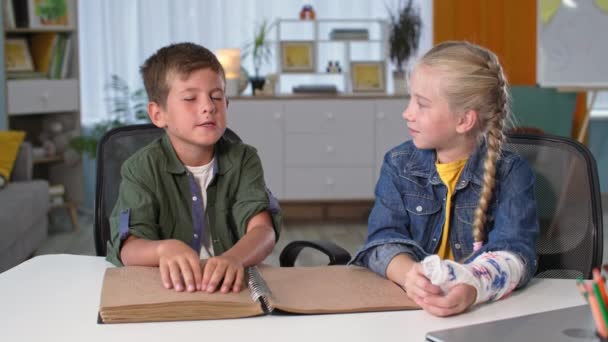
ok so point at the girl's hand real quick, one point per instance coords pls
(179, 266)
(223, 272)
(458, 299)
(417, 285)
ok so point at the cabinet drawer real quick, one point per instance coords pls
(329, 183)
(42, 96)
(344, 149)
(325, 116)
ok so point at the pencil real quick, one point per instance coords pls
(582, 289)
(597, 277)
(600, 323)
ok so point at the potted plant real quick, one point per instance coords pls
(260, 50)
(405, 26)
(125, 107)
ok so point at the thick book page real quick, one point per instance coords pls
(136, 294)
(332, 289)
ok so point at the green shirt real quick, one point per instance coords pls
(159, 198)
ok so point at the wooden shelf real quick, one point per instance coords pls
(46, 160)
(38, 30)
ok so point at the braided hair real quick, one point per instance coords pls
(475, 80)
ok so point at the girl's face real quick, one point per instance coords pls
(431, 123)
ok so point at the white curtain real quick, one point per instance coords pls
(116, 36)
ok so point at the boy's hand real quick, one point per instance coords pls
(179, 263)
(225, 267)
(458, 299)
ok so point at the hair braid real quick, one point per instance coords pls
(494, 139)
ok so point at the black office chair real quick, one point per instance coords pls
(568, 197)
(570, 244)
(119, 144)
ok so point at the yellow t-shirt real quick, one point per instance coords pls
(449, 174)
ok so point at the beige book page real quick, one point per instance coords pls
(141, 286)
(332, 289)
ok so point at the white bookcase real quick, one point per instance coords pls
(325, 49)
(35, 103)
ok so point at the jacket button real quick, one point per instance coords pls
(196, 236)
(457, 246)
(418, 208)
(194, 198)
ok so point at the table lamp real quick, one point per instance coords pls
(231, 61)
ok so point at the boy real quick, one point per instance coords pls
(192, 191)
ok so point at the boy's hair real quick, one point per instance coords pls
(474, 80)
(176, 60)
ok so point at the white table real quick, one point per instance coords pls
(56, 298)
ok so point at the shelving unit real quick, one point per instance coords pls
(343, 50)
(39, 101)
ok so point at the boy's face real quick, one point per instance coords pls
(195, 112)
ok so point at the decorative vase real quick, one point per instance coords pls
(257, 83)
(400, 82)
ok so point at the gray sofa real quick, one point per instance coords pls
(24, 206)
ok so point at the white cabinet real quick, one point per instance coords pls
(42, 96)
(390, 127)
(319, 148)
(260, 124)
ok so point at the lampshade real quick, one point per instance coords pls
(231, 61)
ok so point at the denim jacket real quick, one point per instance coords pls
(409, 211)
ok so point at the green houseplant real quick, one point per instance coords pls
(125, 107)
(405, 26)
(260, 51)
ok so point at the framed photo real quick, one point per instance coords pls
(297, 56)
(18, 57)
(50, 13)
(368, 76)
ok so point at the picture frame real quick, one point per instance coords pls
(368, 76)
(298, 56)
(17, 55)
(50, 13)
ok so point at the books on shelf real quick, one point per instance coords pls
(136, 294)
(315, 89)
(39, 14)
(51, 54)
(348, 34)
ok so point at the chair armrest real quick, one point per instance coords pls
(24, 164)
(337, 255)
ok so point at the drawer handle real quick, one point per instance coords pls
(330, 149)
(44, 98)
(329, 115)
(329, 181)
(380, 115)
(277, 116)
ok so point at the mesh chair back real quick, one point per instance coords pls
(569, 204)
(114, 148)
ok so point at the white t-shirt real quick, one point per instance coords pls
(203, 175)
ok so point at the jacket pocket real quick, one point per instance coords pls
(424, 214)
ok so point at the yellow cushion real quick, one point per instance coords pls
(10, 141)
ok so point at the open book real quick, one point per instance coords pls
(136, 294)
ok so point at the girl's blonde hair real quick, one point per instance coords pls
(474, 80)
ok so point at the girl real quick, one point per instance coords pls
(454, 220)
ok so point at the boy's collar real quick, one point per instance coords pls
(221, 164)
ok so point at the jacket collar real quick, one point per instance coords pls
(221, 163)
(422, 164)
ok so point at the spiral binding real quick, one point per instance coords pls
(258, 287)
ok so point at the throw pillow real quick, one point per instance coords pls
(10, 141)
